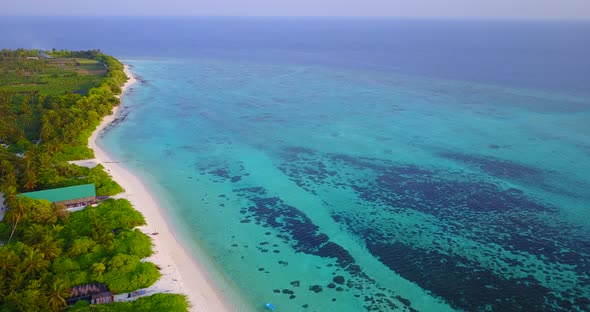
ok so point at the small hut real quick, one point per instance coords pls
(95, 293)
(102, 298)
(71, 196)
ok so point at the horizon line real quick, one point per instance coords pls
(381, 17)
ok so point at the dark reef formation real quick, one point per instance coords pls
(467, 206)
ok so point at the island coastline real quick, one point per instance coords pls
(181, 273)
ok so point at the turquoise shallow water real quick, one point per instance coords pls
(332, 189)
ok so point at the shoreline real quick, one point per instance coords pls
(181, 273)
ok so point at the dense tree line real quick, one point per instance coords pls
(18, 53)
(44, 249)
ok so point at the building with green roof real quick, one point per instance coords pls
(71, 196)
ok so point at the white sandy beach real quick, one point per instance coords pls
(180, 272)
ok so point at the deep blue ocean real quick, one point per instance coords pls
(360, 164)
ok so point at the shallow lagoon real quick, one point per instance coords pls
(328, 188)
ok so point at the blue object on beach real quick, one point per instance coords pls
(270, 306)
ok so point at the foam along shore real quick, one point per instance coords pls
(180, 272)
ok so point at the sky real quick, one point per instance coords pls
(485, 9)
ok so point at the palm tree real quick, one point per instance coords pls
(8, 269)
(17, 281)
(8, 182)
(49, 247)
(100, 232)
(34, 262)
(15, 214)
(47, 130)
(53, 146)
(8, 260)
(35, 234)
(29, 177)
(58, 293)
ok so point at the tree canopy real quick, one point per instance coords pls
(51, 102)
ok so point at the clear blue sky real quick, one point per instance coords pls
(529, 9)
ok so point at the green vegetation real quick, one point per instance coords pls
(64, 174)
(49, 125)
(27, 72)
(154, 303)
(103, 247)
(49, 107)
(92, 245)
